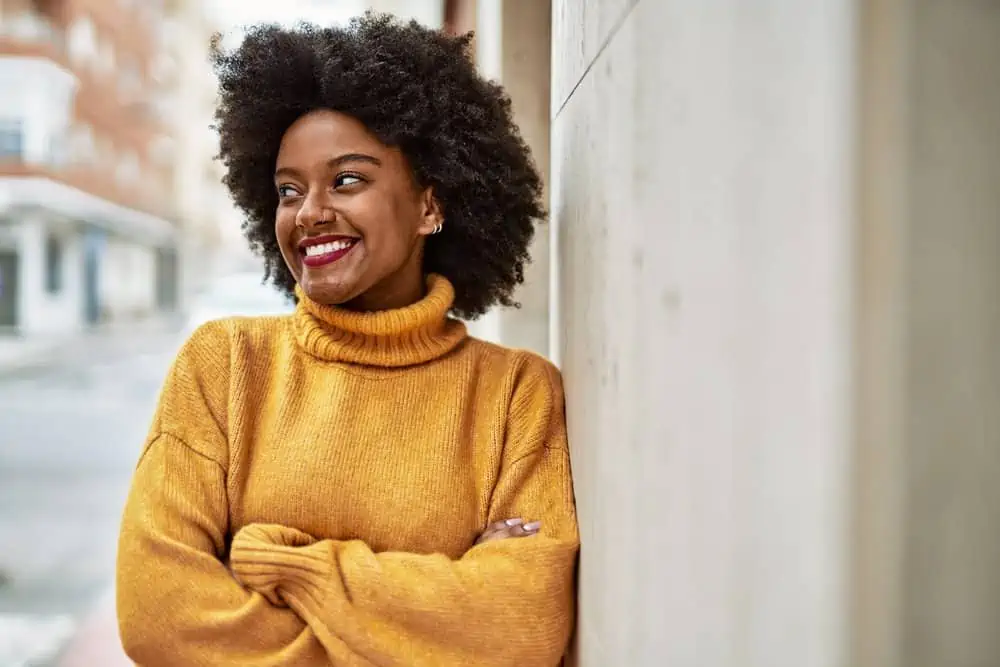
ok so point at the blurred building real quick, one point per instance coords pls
(208, 224)
(86, 221)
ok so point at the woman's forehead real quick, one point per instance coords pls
(329, 127)
(327, 139)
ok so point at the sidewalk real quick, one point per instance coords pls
(18, 354)
(26, 354)
(96, 643)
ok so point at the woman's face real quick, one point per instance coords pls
(351, 219)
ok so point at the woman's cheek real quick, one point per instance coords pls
(283, 229)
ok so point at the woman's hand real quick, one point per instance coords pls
(501, 530)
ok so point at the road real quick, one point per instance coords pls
(70, 435)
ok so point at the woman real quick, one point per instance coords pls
(359, 483)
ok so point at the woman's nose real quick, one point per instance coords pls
(315, 210)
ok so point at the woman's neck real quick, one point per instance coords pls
(389, 294)
(415, 333)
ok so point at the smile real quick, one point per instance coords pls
(326, 249)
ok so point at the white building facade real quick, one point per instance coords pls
(70, 256)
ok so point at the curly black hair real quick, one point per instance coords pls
(414, 88)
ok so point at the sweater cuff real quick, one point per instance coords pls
(266, 559)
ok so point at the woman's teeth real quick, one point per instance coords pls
(327, 248)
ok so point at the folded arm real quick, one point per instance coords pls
(505, 602)
(178, 604)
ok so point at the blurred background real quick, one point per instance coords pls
(771, 279)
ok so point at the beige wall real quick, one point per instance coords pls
(776, 270)
(928, 457)
(880, 362)
(952, 425)
(703, 206)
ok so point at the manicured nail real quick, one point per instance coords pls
(533, 526)
(514, 522)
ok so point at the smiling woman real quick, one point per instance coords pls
(360, 482)
(350, 226)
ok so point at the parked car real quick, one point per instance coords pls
(236, 294)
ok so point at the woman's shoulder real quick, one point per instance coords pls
(518, 366)
(198, 386)
(236, 338)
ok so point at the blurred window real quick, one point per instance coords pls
(58, 149)
(53, 265)
(82, 41)
(27, 26)
(11, 140)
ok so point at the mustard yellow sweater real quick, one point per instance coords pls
(313, 485)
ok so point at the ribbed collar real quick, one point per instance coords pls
(390, 338)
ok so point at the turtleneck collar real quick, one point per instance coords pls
(390, 338)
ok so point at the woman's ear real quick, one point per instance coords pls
(433, 218)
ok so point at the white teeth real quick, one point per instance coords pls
(327, 248)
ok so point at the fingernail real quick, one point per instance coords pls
(534, 525)
(514, 522)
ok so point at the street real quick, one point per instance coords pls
(70, 434)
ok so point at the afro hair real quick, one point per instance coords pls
(414, 88)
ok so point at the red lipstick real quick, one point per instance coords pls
(322, 250)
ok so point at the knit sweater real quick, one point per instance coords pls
(313, 485)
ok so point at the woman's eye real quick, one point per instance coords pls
(344, 180)
(286, 191)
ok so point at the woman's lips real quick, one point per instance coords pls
(320, 252)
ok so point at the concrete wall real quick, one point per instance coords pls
(952, 426)
(776, 302)
(703, 228)
(928, 453)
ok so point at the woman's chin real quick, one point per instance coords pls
(329, 290)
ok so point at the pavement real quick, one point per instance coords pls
(28, 354)
(72, 423)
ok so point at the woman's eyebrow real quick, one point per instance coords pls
(354, 157)
(333, 162)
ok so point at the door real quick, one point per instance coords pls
(166, 279)
(91, 275)
(8, 289)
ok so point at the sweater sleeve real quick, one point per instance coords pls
(178, 604)
(505, 602)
